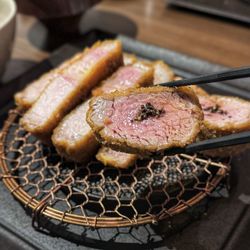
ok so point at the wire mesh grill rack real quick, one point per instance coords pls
(97, 196)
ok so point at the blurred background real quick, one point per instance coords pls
(217, 31)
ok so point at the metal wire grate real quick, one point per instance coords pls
(98, 196)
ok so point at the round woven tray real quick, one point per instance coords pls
(98, 196)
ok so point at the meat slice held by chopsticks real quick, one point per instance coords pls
(27, 97)
(146, 120)
(110, 157)
(137, 75)
(73, 137)
(71, 86)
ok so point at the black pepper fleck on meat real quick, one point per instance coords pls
(147, 110)
(215, 109)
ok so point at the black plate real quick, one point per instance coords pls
(226, 224)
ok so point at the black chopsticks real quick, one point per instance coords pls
(224, 141)
(215, 77)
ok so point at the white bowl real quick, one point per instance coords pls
(7, 30)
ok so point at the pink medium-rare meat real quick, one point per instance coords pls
(130, 76)
(27, 97)
(136, 75)
(69, 140)
(73, 137)
(146, 120)
(224, 114)
(117, 159)
(73, 84)
(221, 118)
(162, 72)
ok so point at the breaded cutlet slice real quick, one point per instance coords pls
(71, 86)
(71, 136)
(146, 120)
(27, 97)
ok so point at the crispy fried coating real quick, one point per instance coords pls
(72, 86)
(168, 117)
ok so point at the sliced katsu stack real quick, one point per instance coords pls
(146, 120)
(71, 137)
(70, 87)
(99, 96)
(118, 159)
(63, 123)
(28, 96)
